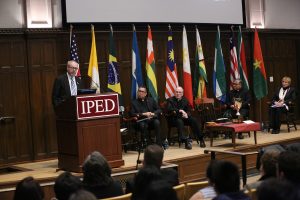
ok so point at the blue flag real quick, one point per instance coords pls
(136, 76)
(219, 79)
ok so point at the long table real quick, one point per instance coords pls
(233, 128)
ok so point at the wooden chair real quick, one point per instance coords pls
(172, 140)
(206, 109)
(251, 193)
(122, 197)
(193, 187)
(179, 189)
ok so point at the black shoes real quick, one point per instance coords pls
(188, 145)
(275, 131)
(202, 144)
(240, 136)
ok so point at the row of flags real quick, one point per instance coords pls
(195, 88)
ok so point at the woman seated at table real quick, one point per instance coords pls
(281, 102)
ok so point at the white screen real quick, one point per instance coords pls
(176, 11)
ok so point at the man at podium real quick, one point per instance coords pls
(147, 112)
(66, 85)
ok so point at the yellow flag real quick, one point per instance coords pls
(93, 71)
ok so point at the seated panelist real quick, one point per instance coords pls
(180, 115)
(147, 112)
(281, 101)
(238, 101)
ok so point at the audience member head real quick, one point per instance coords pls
(289, 166)
(269, 162)
(153, 156)
(72, 67)
(142, 92)
(82, 195)
(209, 171)
(96, 171)
(237, 84)
(160, 190)
(226, 177)
(28, 188)
(286, 81)
(275, 189)
(65, 185)
(143, 179)
(179, 92)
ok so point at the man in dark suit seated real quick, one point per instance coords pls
(282, 100)
(153, 157)
(180, 114)
(66, 85)
(147, 112)
(238, 102)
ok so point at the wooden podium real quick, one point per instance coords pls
(88, 123)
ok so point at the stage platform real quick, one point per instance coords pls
(191, 163)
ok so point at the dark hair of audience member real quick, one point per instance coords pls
(275, 189)
(65, 185)
(96, 171)
(143, 179)
(82, 195)
(289, 166)
(28, 188)
(160, 190)
(226, 177)
(209, 170)
(269, 162)
(153, 156)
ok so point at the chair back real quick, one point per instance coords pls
(179, 189)
(193, 187)
(206, 109)
(251, 193)
(121, 197)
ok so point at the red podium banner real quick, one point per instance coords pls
(97, 106)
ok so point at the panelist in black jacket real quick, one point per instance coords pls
(180, 115)
(238, 94)
(281, 102)
(147, 112)
(66, 85)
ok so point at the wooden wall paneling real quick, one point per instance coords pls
(15, 135)
(42, 65)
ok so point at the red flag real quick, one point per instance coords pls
(259, 73)
(234, 68)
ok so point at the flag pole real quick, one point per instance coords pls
(71, 30)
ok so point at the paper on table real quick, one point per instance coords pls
(248, 122)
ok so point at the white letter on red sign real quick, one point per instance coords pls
(90, 104)
(113, 105)
(99, 104)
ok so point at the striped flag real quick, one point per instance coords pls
(234, 67)
(219, 80)
(200, 77)
(242, 61)
(74, 49)
(113, 83)
(136, 76)
(93, 71)
(187, 78)
(171, 69)
(150, 67)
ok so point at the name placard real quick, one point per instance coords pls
(96, 106)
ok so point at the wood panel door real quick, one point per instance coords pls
(42, 72)
(15, 133)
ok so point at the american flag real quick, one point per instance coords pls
(74, 49)
(171, 69)
(234, 68)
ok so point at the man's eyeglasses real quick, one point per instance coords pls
(74, 68)
(142, 91)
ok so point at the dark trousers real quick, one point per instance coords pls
(146, 125)
(179, 123)
(274, 117)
